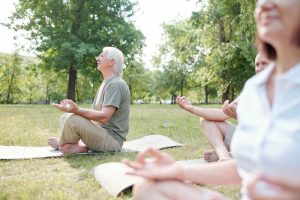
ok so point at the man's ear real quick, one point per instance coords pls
(112, 62)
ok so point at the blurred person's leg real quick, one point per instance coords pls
(215, 133)
(173, 190)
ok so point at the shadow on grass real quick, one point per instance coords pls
(90, 161)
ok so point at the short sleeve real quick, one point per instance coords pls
(113, 95)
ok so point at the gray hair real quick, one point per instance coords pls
(117, 55)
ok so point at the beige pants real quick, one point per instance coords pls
(96, 138)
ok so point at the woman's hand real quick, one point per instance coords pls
(160, 166)
(272, 189)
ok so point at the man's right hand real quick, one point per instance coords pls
(66, 105)
(230, 108)
(184, 103)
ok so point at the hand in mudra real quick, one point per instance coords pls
(66, 105)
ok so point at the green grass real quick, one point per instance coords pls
(70, 177)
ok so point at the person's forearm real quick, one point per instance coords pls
(212, 114)
(221, 173)
(94, 115)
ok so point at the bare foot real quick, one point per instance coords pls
(53, 142)
(210, 156)
(73, 148)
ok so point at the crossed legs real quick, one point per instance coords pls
(80, 134)
(215, 133)
(172, 190)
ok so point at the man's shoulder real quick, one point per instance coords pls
(118, 82)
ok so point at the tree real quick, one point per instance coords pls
(177, 57)
(9, 77)
(229, 44)
(138, 80)
(68, 34)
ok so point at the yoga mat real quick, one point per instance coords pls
(112, 176)
(23, 152)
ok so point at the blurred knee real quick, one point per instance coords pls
(204, 122)
(142, 189)
(63, 119)
(146, 190)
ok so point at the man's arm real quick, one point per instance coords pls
(102, 116)
(212, 114)
(230, 108)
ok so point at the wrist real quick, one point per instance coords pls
(77, 111)
(181, 172)
(189, 108)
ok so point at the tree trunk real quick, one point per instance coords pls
(47, 91)
(225, 94)
(222, 36)
(77, 93)
(173, 99)
(9, 90)
(232, 94)
(130, 89)
(181, 86)
(72, 83)
(206, 94)
(8, 95)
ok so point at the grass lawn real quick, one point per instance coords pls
(69, 177)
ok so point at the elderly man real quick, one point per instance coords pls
(217, 130)
(105, 126)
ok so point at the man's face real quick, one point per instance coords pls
(261, 62)
(102, 60)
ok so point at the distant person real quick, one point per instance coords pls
(266, 143)
(105, 126)
(213, 121)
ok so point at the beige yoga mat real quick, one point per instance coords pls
(112, 176)
(23, 152)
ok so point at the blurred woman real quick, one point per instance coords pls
(266, 144)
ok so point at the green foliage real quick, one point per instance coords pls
(10, 72)
(26, 80)
(210, 55)
(139, 81)
(176, 57)
(69, 34)
(212, 51)
(229, 47)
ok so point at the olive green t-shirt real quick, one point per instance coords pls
(115, 92)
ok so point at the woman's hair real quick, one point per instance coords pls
(117, 55)
(296, 38)
(266, 48)
(269, 50)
